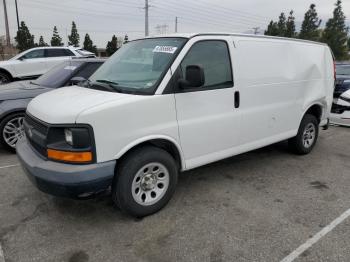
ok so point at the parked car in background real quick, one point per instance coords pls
(14, 97)
(342, 82)
(37, 61)
(340, 113)
(173, 103)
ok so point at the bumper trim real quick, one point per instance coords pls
(64, 180)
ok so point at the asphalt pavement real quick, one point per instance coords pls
(259, 206)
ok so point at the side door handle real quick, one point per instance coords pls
(237, 99)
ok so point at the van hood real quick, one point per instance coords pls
(63, 105)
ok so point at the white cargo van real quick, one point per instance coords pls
(167, 104)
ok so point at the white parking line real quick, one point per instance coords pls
(296, 253)
(1, 167)
(2, 257)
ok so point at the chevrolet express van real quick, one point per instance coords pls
(162, 105)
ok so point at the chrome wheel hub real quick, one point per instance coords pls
(13, 131)
(309, 135)
(150, 184)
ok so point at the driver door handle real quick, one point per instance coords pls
(237, 99)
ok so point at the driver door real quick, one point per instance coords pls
(208, 117)
(31, 64)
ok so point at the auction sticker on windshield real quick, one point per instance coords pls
(165, 49)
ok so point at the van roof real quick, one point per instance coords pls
(191, 35)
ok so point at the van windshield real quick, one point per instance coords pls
(139, 66)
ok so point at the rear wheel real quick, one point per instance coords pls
(305, 140)
(11, 130)
(4, 78)
(145, 181)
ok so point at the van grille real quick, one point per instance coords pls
(36, 133)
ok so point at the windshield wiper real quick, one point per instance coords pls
(34, 83)
(107, 82)
(113, 86)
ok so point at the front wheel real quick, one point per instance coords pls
(4, 78)
(11, 130)
(145, 181)
(305, 140)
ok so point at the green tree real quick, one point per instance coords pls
(310, 26)
(89, 45)
(74, 37)
(112, 46)
(336, 33)
(56, 40)
(42, 42)
(272, 29)
(126, 39)
(23, 38)
(290, 26)
(282, 25)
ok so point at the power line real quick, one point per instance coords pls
(208, 16)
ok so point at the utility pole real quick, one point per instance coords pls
(176, 24)
(17, 14)
(8, 42)
(256, 30)
(146, 18)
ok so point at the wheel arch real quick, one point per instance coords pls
(164, 142)
(10, 112)
(315, 109)
(3, 70)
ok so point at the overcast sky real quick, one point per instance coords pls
(103, 18)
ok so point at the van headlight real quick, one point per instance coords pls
(68, 136)
(71, 144)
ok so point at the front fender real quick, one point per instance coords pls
(149, 138)
(9, 70)
(12, 106)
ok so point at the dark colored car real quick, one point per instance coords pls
(342, 83)
(15, 97)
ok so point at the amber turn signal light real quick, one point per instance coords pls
(73, 157)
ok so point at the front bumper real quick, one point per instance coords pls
(64, 180)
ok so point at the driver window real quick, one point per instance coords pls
(34, 54)
(213, 56)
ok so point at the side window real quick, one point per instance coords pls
(56, 52)
(213, 56)
(39, 53)
(68, 52)
(88, 70)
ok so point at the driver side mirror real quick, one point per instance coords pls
(194, 77)
(76, 80)
(22, 58)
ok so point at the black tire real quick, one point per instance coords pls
(5, 78)
(3, 123)
(126, 173)
(297, 143)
